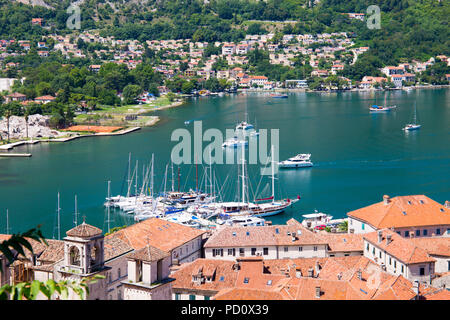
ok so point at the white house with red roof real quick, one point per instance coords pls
(415, 214)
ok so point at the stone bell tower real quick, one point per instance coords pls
(83, 249)
(84, 257)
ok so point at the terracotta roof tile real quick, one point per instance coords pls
(149, 254)
(404, 211)
(159, 233)
(84, 230)
(400, 248)
(263, 236)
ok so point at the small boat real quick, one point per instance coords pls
(376, 108)
(244, 126)
(316, 219)
(243, 221)
(234, 143)
(414, 125)
(279, 96)
(301, 160)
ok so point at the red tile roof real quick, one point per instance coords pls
(399, 247)
(263, 236)
(403, 211)
(159, 233)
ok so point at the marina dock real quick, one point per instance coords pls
(4, 154)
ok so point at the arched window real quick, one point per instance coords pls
(74, 254)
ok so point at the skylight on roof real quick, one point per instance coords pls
(246, 280)
(269, 283)
(222, 278)
(277, 230)
(404, 212)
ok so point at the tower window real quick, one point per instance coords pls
(74, 256)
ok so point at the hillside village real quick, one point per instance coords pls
(323, 57)
(396, 249)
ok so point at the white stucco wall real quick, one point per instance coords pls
(274, 252)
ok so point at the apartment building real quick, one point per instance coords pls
(271, 242)
(415, 214)
(397, 255)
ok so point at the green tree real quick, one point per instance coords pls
(131, 93)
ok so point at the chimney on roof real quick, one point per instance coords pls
(359, 274)
(416, 287)
(339, 276)
(447, 204)
(317, 267)
(411, 234)
(298, 273)
(386, 199)
(380, 236)
(310, 272)
(388, 238)
(317, 292)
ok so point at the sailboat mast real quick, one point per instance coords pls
(173, 182)
(196, 176)
(243, 175)
(129, 171)
(415, 113)
(273, 175)
(109, 212)
(7, 221)
(136, 182)
(59, 220)
(178, 179)
(75, 221)
(151, 180)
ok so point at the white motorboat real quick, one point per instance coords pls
(234, 143)
(376, 108)
(301, 160)
(244, 125)
(410, 127)
(243, 221)
(316, 219)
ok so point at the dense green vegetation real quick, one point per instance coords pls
(409, 28)
(79, 88)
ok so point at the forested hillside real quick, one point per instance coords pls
(409, 29)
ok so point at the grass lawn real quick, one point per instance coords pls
(111, 115)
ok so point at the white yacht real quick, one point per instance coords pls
(234, 143)
(316, 219)
(244, 126)
(301, 160)
(376, 108)
(243, 221)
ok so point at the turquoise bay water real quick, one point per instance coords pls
(358, 156)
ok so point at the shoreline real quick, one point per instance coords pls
(127, 130)
(441, 86)
(11, 146)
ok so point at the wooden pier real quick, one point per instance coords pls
(6, 154)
